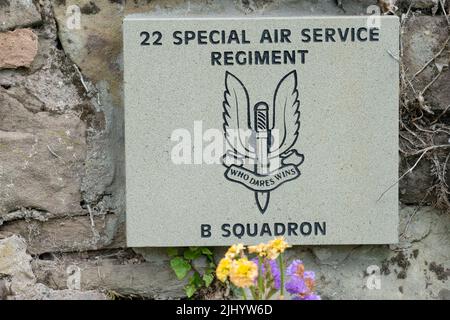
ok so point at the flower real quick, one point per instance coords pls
(274, 271)
(275, 247)
(234, 251)
(223, 269)
(279, 244)
(243, 273)
(272, 254)
(263, 273)
(310, 278)
(310, 274)
(307, 297)
(301, 282)
(260, 249)
(276, 274)
(296, 285)
(296, 268)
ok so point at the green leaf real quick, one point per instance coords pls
(190, 289)
(172, 252)
(196, 280)
(208, 278)
(206, 252)
(180, 266)
(210, 270)
(192, 253)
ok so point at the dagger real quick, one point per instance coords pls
(262, 135)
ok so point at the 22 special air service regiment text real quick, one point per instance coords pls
(261, 57)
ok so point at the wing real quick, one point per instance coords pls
(235, 114)
(286, 113)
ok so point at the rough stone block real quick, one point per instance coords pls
(41, 158)
(97, 49)
(18, 48)
(78, 234)
(423, 38)
(21, 284)
(15, 262)
(152, 279)
(18, 14)
(42, 292)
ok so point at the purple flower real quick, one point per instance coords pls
(274, 271)
(276, 274)
(312, 297)
(296, 285)
(301, 282)
(307, 297)
(311, 275)
(295, 268)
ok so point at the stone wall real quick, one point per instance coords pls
(62, 205)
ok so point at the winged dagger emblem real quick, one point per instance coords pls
(261, 136)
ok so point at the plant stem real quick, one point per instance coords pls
(281, 264)
(244, 295)
(254, 291)
(260, 279)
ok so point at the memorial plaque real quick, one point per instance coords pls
(245, 129)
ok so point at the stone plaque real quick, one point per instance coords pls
(244, 129)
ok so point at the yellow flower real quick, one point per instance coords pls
(243, 273)
(260, 249)
(234, 251)
(275, 247)
(278, 244)
(272, 254)
(223, 269)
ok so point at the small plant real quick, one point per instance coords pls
(182, 264)
(264, 275)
